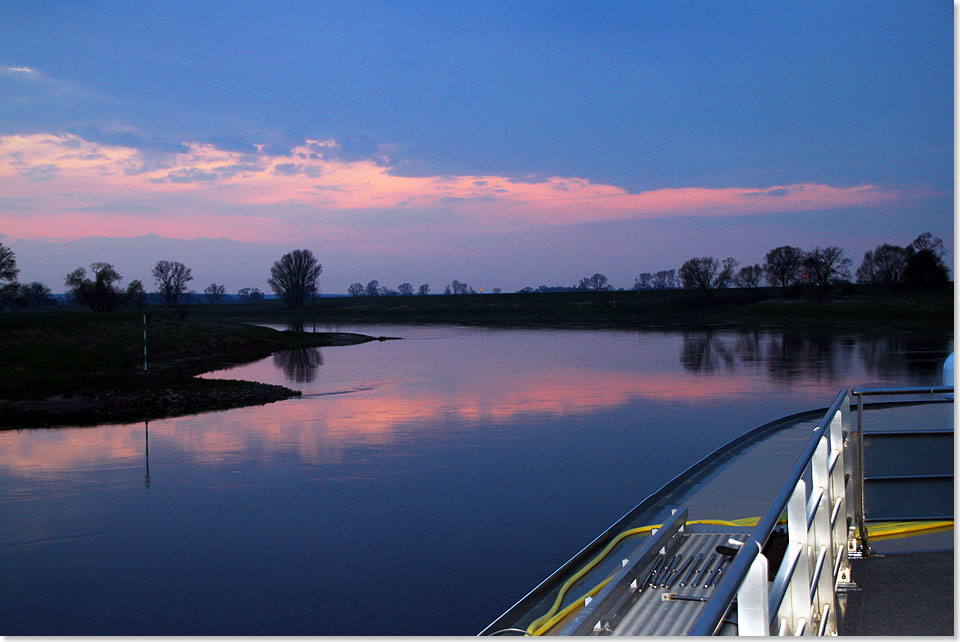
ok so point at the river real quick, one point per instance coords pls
(419, 486)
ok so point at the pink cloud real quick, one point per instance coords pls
(204, 190)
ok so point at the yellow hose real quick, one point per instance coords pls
(548, 620)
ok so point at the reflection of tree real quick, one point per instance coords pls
(920, 355)
(705, 352)
(299, 365)
(295, 325)
(796, 355)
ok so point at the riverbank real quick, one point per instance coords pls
(850, 306)
(78, 368)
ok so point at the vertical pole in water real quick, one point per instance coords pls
(144, 341)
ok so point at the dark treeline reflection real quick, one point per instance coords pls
(824, 356)
(299, 365)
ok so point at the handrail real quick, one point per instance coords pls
(916, 390)
(713, 611)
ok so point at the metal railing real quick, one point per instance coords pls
(802, 595)
(861, 546)
(824, 503)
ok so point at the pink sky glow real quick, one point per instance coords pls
(61, 186)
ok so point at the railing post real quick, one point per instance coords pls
(863, 541)
(753, 607)
(797, 532)
(822, 533)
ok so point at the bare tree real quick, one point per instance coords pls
(36, 295)
(927, 241)
(356, 289)
(249, 295)
(826, 265)
(643, 282)
(405, 289)
(750, 277)
(707, 274)
(424, 289)
(102, 293)
(172, 278)
(294, 277)
(782, 265)
(883, 266)
(214, 292)
(8, 273)
(373, 288)
(665, 280)
(460, 288)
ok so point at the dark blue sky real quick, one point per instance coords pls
(638, 95)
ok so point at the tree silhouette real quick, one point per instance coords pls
(356, 289)
(102, 292)
(36, 295)
(707, 274)
(424, 289)
(373, 288)
(664, 280)
(643, 282)
(782, 265)
(8, 273)
(215, 292)
(826, 265)
(750, 276)
(405, 289)
(883, 266)
(172, 278)
(250, 294)
(294, 277)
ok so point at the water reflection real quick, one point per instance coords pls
(299, 365)
(443, 451)
(797, 356)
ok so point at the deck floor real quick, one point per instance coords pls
(902, 594)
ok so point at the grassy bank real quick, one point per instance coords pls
(82, 367)
(854, 307)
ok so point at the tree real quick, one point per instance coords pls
(102, 293)
(826, 265)
(250, 295)
(424, 289)
(405, 289)
(373, 288)
(782, 265)
(925, 270)
(928, 241)
(459, 288)
(883, 266)
(925, 267)
(356, 289)
(215, 292)
(36, 295)
(9, 291)
(172, 278)
(643, 282)
(749, 276)
(665, 280)
(294, 277)
(707, 274)
(135, 293)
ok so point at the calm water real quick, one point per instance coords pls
(418, 487)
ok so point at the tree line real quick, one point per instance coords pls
(919, 265)
(294, 277)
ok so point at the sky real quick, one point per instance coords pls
(502, 144)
